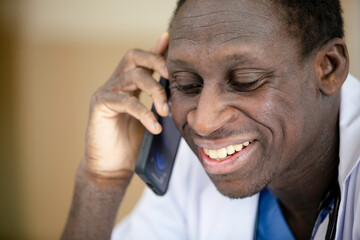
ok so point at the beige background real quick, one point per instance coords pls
(54, 55)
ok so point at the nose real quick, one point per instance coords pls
(211, 113)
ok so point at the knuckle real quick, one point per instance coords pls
(132, 101)
(96, 100)
(158, 90)
(158, 58)
(137, 73)
(146, 114)
(130, 54)
(96, 97)
(140, 76)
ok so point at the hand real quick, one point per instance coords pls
(117, 117)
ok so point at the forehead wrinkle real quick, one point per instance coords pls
(209, 13)
(210, 20)
(235, 12)
(204, 27)
(226, 34)
(241, 57)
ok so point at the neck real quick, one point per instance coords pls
(300, 194)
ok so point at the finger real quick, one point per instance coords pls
(140, 79)
(162, 44)
(150, 86)
(136, 109)
(123, 103)
(152, 61)
(148, 60)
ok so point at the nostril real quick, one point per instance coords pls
(229, 114)
(206, 122)
(198, 123)
(191, 118)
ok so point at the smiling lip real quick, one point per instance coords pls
(231, 163)
(223, 153)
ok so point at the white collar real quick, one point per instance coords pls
(349, 152)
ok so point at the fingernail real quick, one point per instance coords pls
(165, 34)
(165, 108)
(165, 71)
(157, 126)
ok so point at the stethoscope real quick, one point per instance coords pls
(329, 206)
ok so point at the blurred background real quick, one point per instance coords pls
(53, 55)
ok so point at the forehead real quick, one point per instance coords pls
(213, 21)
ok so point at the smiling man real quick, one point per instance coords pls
(259, 95)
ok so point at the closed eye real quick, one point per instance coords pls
(186, 82)
(246, 82)
(190, 88)
(245, 86)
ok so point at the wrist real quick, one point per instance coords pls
(105, 180)
(95, 204)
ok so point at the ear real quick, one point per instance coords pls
(332, 66)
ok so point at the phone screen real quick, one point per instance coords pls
(158, 152)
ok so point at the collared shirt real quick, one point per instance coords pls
(271, 222)
(193, 208)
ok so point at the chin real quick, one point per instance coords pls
(236, 189)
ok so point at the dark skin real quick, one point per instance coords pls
(216, 55)
(236, 76)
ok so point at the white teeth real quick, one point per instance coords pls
(238, 147)
(212, 153)
(222, 153)
(230, 149)
(206, 151)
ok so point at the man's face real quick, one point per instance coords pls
(242, 97)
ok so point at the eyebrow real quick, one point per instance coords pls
(238, 58)
(178, 62)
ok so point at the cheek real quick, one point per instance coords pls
(285, 116)
(180, 107)
(278, 116)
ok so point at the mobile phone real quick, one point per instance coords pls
(158, 152)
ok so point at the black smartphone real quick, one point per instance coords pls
(158, 152)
